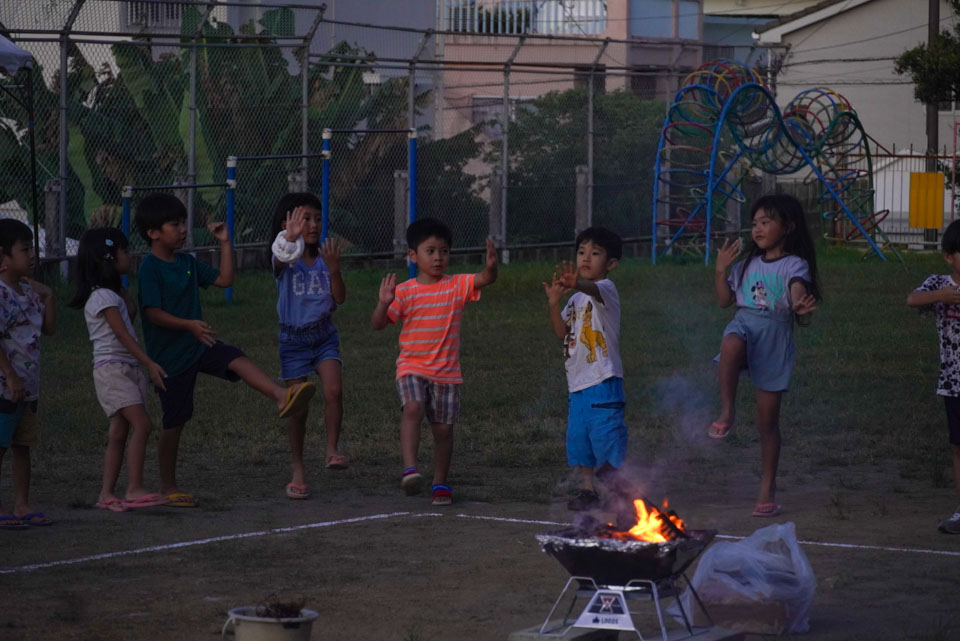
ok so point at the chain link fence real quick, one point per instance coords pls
(519, 139)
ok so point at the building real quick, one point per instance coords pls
(728, 27)
(850, 46)
(652, 45)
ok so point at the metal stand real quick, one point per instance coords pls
(608, 607)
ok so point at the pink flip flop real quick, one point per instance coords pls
(719, 430)
(296, 491)
(766, 510)
(147, 500)
(337, 462)
(113, 504)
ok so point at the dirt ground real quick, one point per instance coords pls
(422, 574)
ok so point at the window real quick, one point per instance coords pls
(651, 18)
(152, 14)
(582, 79)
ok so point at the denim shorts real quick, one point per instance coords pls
(770, 347)
(303, 349)
(18, 423)
(596, 431)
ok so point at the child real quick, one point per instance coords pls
(179, 340)
(941, 295)
(26, 310)
(589, 326)
(309, 288)
(102, 259)
(775, 283)
(428, 368)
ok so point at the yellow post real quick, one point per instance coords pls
(926, 200)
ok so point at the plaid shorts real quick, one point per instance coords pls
(442, 400)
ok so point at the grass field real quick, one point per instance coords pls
(861, 421)
(863, 390)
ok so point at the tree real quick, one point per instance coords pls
(548, 140)
(934, 67)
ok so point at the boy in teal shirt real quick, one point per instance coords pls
(177, 337)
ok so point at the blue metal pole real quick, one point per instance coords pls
(412, 185)
(231, 209)
(125, 223)
(325, 185)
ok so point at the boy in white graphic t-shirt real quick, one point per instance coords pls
(589, 325)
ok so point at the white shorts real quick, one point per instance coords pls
(119, 385)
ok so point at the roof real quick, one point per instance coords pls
(12, 57)
(773, 31)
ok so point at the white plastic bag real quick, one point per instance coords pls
(762, 584)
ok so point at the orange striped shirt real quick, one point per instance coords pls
(430, 336)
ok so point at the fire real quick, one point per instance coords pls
(654, 524)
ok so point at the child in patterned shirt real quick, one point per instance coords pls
(26, 311)
(940, 293)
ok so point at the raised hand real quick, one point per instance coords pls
(566, 273)
(220, 231)
(202, 331)
(491, 255)
(804, 305)
(388, 289)
(157, 375)
(555, 290)
(295, 223)
(727, 254)
(330, 254)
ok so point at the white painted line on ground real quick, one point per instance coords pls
(184, 544)
(851, 546)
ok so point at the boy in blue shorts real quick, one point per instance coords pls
(589, 326)
(27, 310)
(179, 340)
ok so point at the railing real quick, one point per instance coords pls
(513, 17)
(152, 15)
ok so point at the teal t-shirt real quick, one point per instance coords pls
(173, 287)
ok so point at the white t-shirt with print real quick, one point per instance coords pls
(948, 331)
(592, 344)
(21, 321)
(106, 346)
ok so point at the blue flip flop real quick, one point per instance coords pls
(36, 519)
(5, 525)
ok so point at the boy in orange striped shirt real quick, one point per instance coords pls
(430, 307)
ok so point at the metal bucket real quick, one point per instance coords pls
(247, 626)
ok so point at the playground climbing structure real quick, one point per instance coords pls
(724, 125)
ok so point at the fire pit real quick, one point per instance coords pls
(643, 560)
(617, 561)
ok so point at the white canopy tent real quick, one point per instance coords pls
(13, 59)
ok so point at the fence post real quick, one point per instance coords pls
(400, 213)
(51, 213)
(581, 212)
(192, 147)
(127, 195)
(327, 151)
(231, 211)
(494, 216)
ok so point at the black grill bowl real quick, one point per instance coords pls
(610, 561)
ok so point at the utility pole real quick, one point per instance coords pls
(933, 117)
(933, 121)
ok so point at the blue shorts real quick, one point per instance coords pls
(12, 417)
(770, 347)
(596, 431)
(302, 350)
